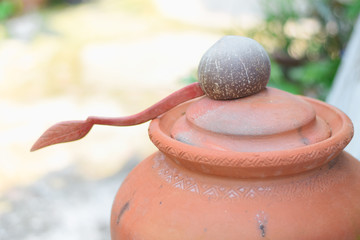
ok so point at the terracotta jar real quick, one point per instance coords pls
(262, 164)
(268, 166)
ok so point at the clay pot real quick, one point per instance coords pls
(268, 166)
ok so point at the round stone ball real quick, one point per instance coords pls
(234, 67)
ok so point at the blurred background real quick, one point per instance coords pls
(69, 59)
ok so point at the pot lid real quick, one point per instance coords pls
(239, 112)
(270, 120)
(300, 134)
(240, 128)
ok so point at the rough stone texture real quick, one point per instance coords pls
(234, 67)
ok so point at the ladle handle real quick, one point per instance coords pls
(74, 130)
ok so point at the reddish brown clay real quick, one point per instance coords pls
(68, 131)
(267, 166)
(198, 186)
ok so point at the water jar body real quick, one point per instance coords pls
(162, 200)
(187, 191)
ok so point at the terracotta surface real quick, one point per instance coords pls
(267, 121)
(68, 131)
(267, 166)
(200, 187)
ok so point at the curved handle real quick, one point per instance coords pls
(74, 130)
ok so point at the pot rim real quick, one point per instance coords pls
(257, 164)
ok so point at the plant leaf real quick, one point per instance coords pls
(63, 132)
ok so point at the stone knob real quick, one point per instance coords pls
(234, 67)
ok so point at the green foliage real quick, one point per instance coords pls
(55, 2)
(320, 72)
(305, 40)
(63, 2)
(353, 9)
(278, 80)
(314, 77)
(7, 9)
(190, 78)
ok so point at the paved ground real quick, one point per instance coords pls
(62, 205)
